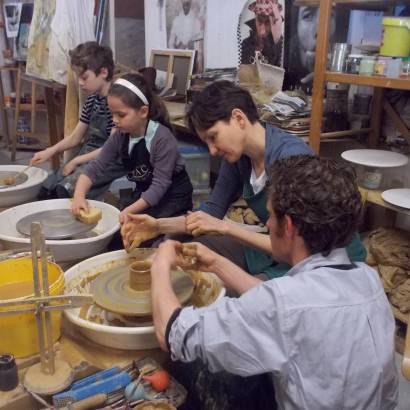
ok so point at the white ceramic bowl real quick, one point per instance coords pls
(27, 191)
(64, 250)
(127, 338)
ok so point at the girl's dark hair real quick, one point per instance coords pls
(157, 110)
(216, 102)
(92, 56)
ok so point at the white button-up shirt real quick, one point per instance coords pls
(325, 334)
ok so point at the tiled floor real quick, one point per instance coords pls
(23, 157)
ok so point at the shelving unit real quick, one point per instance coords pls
(321, 76)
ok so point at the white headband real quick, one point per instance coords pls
(133, 88)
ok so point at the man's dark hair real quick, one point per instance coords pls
(92, 56)
(320, 196)
(216, 102)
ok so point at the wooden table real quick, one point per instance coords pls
(85, 356)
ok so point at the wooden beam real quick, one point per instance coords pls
(322, 45)
(397, 121)
(376, 117)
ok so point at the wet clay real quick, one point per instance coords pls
(140, 275)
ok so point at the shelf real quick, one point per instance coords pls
(27, 107)
(8, 68)
(372, 81)
(362, 4)
(375, 197)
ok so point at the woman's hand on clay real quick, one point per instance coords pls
(137, 229)
(42, 156)
(200, 223)
(169, 252)
(70, 167)
(79, 204)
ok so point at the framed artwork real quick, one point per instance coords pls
(12, 13)
(300, 41)
(176, 63)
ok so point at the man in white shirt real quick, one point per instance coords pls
(187, 33)
(325, 331)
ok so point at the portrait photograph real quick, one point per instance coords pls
(261, 29)
(12, 12)
(185, 25)
(300, 39)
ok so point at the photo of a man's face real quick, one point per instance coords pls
(301, 36)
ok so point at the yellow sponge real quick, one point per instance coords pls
(92, 216)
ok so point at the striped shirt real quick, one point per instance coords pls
(96, 104)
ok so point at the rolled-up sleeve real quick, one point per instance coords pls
(241, 336)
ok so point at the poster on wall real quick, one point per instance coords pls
(185, 26)
(24, 29)
(261, 30)
(39, 39)
(300, 42)
(12, 12)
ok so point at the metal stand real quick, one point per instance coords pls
(50, 375)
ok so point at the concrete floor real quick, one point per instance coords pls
(23, 158)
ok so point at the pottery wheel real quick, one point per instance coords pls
(5, 175)
(56, 224)
(111, 291)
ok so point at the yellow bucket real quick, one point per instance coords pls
(19, 331)
(396, 37)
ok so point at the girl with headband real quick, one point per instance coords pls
(148, 151)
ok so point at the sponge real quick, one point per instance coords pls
(91, 217)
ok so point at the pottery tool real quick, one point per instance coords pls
(107, 385)
(12, 178)
(50, 375)
(127, 290)
(55, 223)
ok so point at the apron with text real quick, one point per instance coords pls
(177, 199)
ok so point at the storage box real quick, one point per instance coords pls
(197, 164)
(199, 196)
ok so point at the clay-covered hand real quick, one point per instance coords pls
(203, 257)
(79, 204)
(137, 229)
(169, 252)
(200, 223)
(125, 215)
(41, 156)
(70, 167)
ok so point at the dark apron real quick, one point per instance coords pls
(57, 185)
(177, 199)
(259, 262)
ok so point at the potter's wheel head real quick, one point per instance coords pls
(111, 291)
(55, 224)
